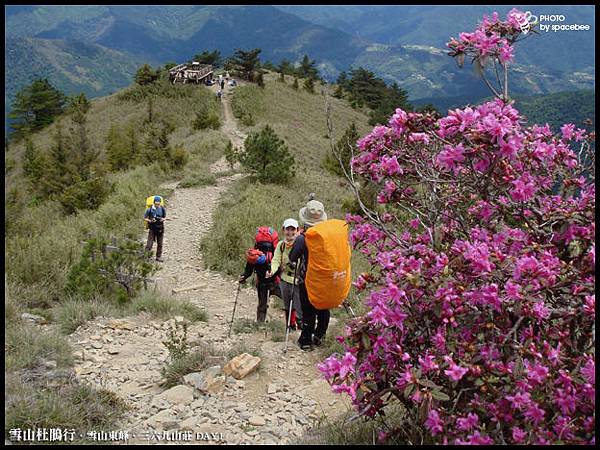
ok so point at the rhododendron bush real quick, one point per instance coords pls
(481, 302)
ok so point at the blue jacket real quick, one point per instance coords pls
(154, 212)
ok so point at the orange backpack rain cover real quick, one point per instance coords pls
(328, 275)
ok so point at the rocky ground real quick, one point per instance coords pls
(277, 403)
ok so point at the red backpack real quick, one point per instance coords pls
(265, 243)
(266, 240)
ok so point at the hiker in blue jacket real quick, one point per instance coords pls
(155, 216)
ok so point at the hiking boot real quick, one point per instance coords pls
(317, 342)
(305, 347)
(292, 327)
(159, 260)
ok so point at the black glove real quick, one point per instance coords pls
(242, 280)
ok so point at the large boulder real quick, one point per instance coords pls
(241, 366)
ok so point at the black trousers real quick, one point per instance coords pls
(264, 291)
(155, 235)
(312, 316)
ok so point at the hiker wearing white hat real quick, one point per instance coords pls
(310, 215)
(288, 285)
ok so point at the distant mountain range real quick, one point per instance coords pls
(96, 49)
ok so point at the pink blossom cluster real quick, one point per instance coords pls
(493, 38)
(481, 307)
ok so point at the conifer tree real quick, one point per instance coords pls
(267, 157)
(145, 75)
(35, 106)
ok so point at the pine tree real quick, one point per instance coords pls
(267, 157)
(246, 62)
(35, 106)
(132, 146)
(156, 147)
(58, 171)
(33, 163)
(84, 156)
(79, 105)
(213, 58)
(309, 85)
(285, 67)
(145, 75)
(307, 68)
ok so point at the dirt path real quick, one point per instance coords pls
(275, 404)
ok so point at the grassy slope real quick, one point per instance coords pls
(299, 119)
(42, 246)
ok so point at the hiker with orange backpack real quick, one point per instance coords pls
(288, 285)
(322, 255)
(258, 260)
(310, 215)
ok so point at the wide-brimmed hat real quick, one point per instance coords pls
(313, 213)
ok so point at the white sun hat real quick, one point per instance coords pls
(290, 223)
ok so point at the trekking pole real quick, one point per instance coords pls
(287, 330)
(234, 306)
(349, 310)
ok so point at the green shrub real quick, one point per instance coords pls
(247, 119)
(176, 342)
(205, 120)
(86, 194)
(175, 370)
(178, 157)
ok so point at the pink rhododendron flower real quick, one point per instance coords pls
(467, 423)
(434, 423)
(455, 372)
(492, 289)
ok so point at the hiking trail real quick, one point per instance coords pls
(275, 404)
